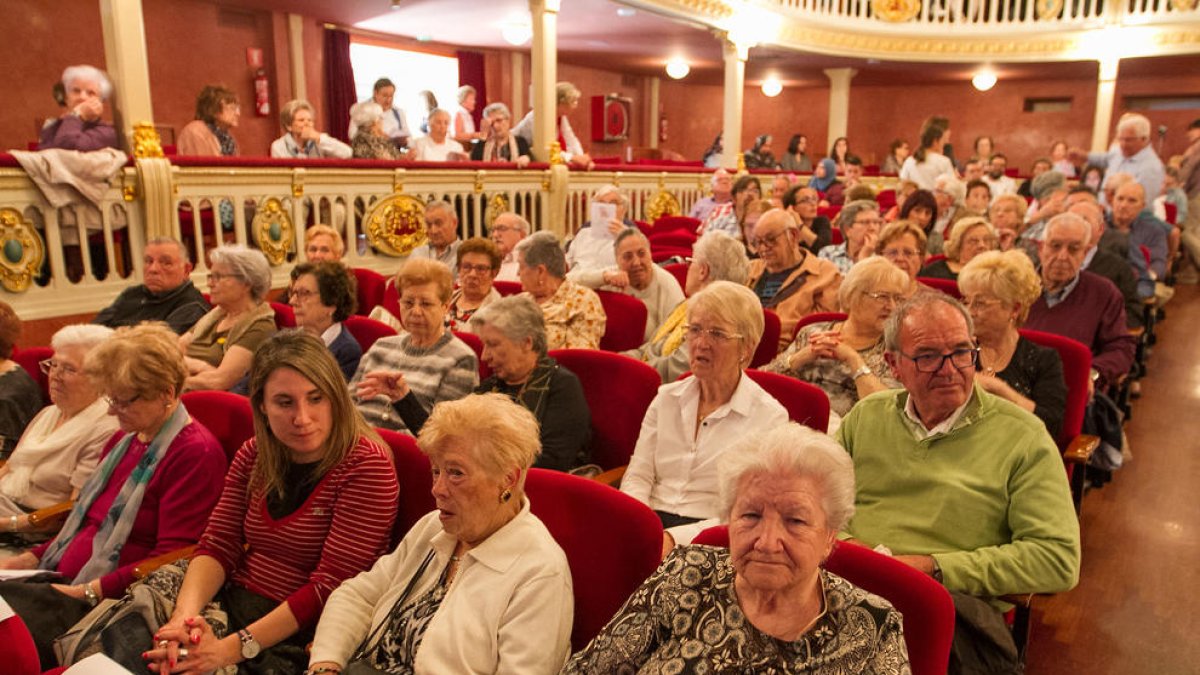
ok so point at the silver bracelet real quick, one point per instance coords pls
(90, 594)
(12, 523)
(864, 370)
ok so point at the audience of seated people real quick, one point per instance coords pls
(692, 422)
(322, 296)
(166, 293)
(845, 358)
(716, 256)
(998, 290)
(498, 143)
(979, 197)
(479, 585)
(59, 448)
(591, 249)
(958, 483)
(997, 178)
(220, 346)
(859, 223)
(852, 178)
(301, 138)
(921, 209)
(635, 274)
(478, 262)
(721, 188)
(927, 162)
(441, 230)
(787, 278)
(575, 319)
(402, 377)
(209, 135)
(1007, 216)
(824, 179)
(950, 193)
(970, 237)
(20, 396)
(728, 217)
(151, 493)
(370, 139)
(506, 231)
(567, 98)
(903, 244)
(513, 334)
(81, 125)
(437, 146)
(393, 124)
(816, 232)
(1123, 270)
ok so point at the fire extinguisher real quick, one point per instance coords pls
(262, 93)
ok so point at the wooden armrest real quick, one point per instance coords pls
(1081, 448)
(1019, 599)
(611, 477)
(149, 565)
(51, 517)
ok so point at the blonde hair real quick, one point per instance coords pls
(900, 228)
(954, 245)
(1008, 275)
(866, 274)
(1018, 202)
(734, 303)
(144, 359)
(421, 271)
(322, 230)
(501, 434)
(310, 358)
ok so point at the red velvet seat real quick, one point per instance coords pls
(947, 286)
(668, 223)
(625, 325)
(618, 390)
(507, 288)
(612, 541)
(661, 253)
(227, 415)
(805, 403)
(391, 298)
(17, 650)
(285, 316)
(817, 317)
(416, 481)
(768, 346)
(673, 238)
(1171, 212)
(370, 289)
(927, 608)
(29, 358)
(475, 344)
(367, 331)
(886, 199)
(679, 271)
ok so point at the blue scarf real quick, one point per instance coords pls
(822, 184)
(114, 530)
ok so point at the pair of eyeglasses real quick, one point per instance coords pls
(961, 359)
(121, 404)
(894, 298)
(694, 332)
(767, 240)
(900, 253)
(216, 277)
(48, 365)
(478, 269)
(303, 294)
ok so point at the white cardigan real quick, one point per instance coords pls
(509, 610)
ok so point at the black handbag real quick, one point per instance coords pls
(359, 665)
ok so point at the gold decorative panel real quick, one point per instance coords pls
(896, 11)
(664, 204)
(273, 231)
(496, 205)
(21, 251)
(395, 225)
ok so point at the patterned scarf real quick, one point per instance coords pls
(494, 151)
(114, 530)
(228, 145)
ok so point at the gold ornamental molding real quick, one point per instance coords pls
(273, 231)
(1048, 9)
(496, 205)
(896, 11)
(1184, 5)
(664, 204)
(21, 251)
(395, 225)
(146, 141)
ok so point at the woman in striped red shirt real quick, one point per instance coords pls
(307, 503)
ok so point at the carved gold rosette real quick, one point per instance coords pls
(21, 251)
(496, 205)
(896, 11)
(273, 231)
(395, 225)
(1184, 5)
(146, 142)
(664, 204)
(1048, 9)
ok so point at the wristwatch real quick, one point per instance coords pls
(864, 370)
(250, 646)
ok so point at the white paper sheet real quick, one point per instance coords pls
(600, 215)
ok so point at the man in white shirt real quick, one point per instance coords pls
(438, 146)
(508, 229)
(395, 125)
(996, 179)
(1130, 153)
(636, 274)
(441, 228)
(592, 247)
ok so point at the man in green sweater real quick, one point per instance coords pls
(958, 483)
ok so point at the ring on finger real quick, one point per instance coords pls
(162, 644)
(183, 653)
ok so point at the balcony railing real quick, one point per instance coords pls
(909, 16)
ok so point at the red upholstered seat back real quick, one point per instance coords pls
(416, 481)
(507, 288)
(672, 238)
(926, 605)
(668, 223)
(370, 289)
(618, 390)
(28, 358)
(768, 346)
(679, 271)
(391, 298)
(626, 321)
(947, 286)
(227, 416)
(17, 648)
(476, 345)
(817, 317)
(1077, 362)
(285, 316)
(367, 331)
(612, 541)
(805, 403)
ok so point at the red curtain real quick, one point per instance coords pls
(339, 82)
(470, 71)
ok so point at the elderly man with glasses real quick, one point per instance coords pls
(956, 482)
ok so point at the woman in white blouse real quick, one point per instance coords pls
(927, 163)
(478, 585)
(691, 422)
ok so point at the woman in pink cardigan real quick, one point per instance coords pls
(217, 113)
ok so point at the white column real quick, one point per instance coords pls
(654, 116)
(839, 102)
(518, 92)
(544, 15)
(1106, 89)
(296, 56)
(126, 62)
(735, 82)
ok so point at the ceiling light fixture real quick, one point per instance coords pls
(772, 87)
(395, 5)
(516, 33)
(677, 69)
(984, 80)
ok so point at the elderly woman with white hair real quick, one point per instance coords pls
(479, 585)
(860, 223)
(370, 140)
(716, 256)
(949, 192)
(220, 347)
(80, 127)
(591, 249)
(765, 604)
(574, 316)
(437, 146)
(301, 138)
(845, 358)
(970, 237)
(692, 422)
(1007, 216)
(514, 347)
(500, 143)
(60, 447)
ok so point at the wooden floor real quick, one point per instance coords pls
(1137, 607)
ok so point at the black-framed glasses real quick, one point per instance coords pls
(961, 359)
(767, 240)
(121, 404)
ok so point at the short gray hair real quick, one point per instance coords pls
(865, 275)
(725, 256)
(82, 335)
(517, 317)
(952, 186)
(922, 300)
(86, 72)
(795, 451)
(439, 111)
(497, 107)
(627, 233)
(849, 212)
(1069, 218)
(463, 92)
(288, 112)
(542, 248)
(521, 222)
(442, 205)
(734, 303)
(605, 190)
(1046, 183)
(365, 114)
(184, 254)
(954, 244)
(1139, 123)
(248, 264)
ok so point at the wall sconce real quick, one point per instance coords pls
(677, 69)
(516, 33)
(771, 87)
(984, 80)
